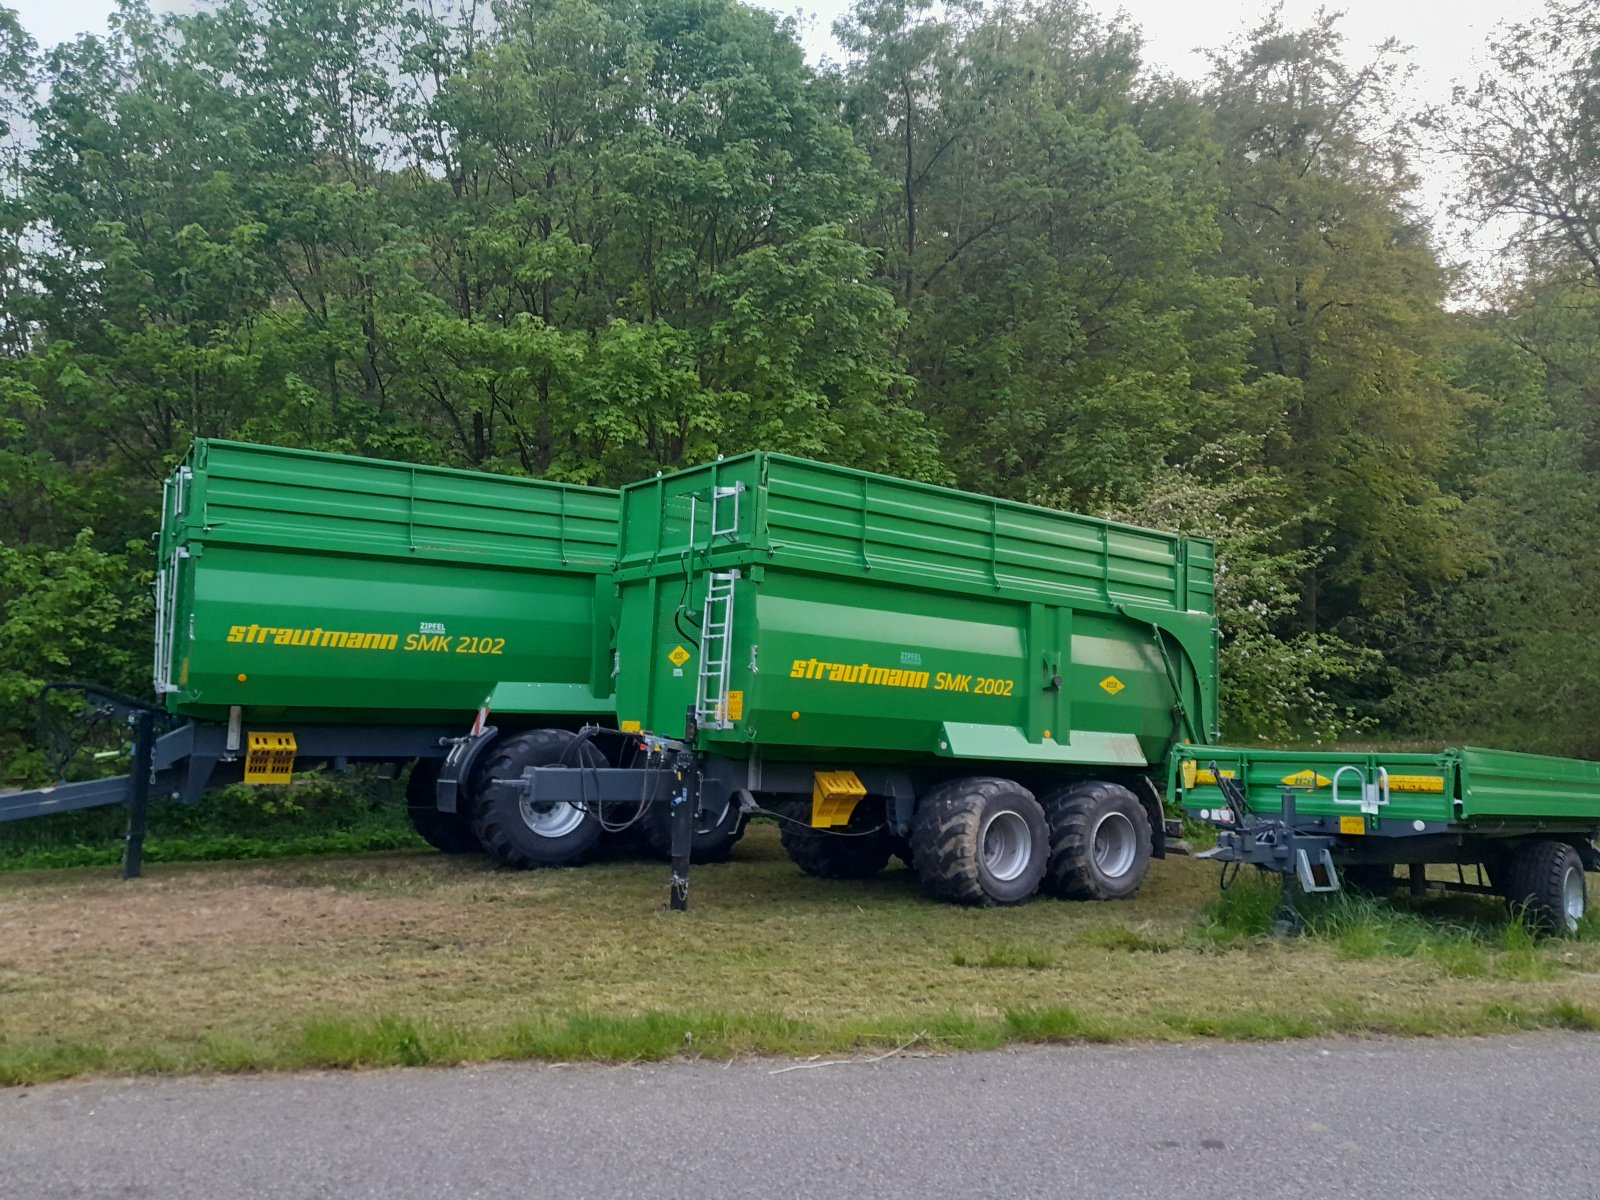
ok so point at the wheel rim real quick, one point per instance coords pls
(552, 819)
(1572, 899)
(1007, 845)
(1116, 845)
(709, 820)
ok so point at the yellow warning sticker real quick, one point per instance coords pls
(632, 727)
(678, 656)
(1352, 825)
(1416, 783)
(735, 706)
(1306, 779)
(1112, 684)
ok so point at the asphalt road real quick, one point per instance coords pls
(1511, 1117)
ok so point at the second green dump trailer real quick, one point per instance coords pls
(988, 689)
(1519, 826)
(327, 609)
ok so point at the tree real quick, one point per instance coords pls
(1066, 329)
(1529, 135)
(1317, 219)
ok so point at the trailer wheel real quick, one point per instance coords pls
(859, 851)
(450, 833)
(520, 834)
(1545, 880)
(1099, 842)
(716, 831)
(979, 841)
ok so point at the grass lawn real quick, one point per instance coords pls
(413, 957)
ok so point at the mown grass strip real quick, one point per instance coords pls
(392, 1040)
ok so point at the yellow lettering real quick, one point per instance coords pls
(329, 638)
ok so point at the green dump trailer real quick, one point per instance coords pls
(989, 689)
(324, 609)
(1525, 824)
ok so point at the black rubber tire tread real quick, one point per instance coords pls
(449, 833)
(710, 845)
(853, 854)
(944, 841)
(1534, 875)
(1375, 881)
(497, 816)
(1072, 812)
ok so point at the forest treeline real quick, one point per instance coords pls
(590, 239)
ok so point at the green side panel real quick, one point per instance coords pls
(1009, 743)
(328, 588)
(859, 523)
(876, 618)
(574, 699)
(1266, 773)
(1452, 786)
(1502, 783)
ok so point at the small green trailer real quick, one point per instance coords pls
(988, 689)
(1324, 819)
(325, 609)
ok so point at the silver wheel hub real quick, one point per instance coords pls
(551, 819)
(1573, 900)
(1006, 845)
(1116, 845)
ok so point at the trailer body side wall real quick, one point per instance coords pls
(330, 588)
(876, 619)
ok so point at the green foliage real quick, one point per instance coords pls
(1525, 629)
(1316, 216)
(1275, 684)
(74, 613)
(1051, 243)
(315, 815)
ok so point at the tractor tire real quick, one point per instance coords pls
(522, 835)
(980, 841)
(1099, 842)
(715, 833)
(1375, 881)
(859, 851)
(450, 833)
(1544, 881)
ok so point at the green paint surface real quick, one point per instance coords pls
(877, 619)
(329, 588)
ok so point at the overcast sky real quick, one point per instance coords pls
(1446, 37)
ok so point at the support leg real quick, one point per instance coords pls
(684, 805)
(1287, 921)
(144, 751)
(1417, 874)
